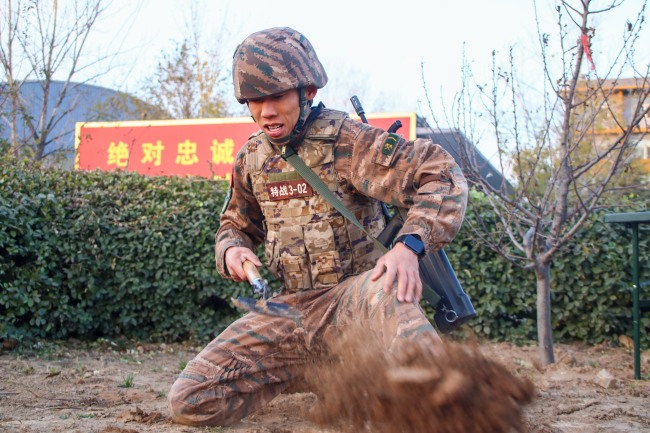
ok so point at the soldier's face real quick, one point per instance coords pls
(277, 114)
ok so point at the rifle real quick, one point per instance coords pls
(446, 295)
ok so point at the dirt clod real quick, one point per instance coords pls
(429, 387)
(138, 415)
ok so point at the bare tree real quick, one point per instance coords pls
(189, 81)
(565, 145)
(42, 41)
(186, 84)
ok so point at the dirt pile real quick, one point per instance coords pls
(428, 387)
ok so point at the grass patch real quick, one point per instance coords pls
(128, 382)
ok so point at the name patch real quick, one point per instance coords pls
(285, 189)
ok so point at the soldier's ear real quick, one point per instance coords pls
(310, 92)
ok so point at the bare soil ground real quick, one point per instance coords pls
(70, 387)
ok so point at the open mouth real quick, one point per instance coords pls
(274, 130)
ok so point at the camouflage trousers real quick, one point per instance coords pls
(257, 357)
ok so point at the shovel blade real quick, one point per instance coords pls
(268, 308)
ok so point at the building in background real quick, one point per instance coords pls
(81, 102)
(614, 108)
(465, 153)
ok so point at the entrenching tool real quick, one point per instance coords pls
(260, 285)
(262, 306)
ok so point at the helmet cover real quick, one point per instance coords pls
(273, 61)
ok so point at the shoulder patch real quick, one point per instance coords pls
(389, 144)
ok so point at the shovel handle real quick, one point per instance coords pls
(251, 271)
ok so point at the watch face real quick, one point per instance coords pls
(414, 244)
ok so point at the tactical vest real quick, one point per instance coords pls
(309, 244)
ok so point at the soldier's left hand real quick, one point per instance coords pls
(402, 264)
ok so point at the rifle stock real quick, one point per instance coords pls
(455, 307)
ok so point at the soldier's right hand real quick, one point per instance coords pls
(235, 258)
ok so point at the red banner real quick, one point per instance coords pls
(201, 147)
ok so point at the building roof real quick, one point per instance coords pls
(454, 141)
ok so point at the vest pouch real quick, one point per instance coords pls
(270, 244)
(324, 264)
(293, 267)
(324, 269)
(295, 272)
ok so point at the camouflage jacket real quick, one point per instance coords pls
(308, 243)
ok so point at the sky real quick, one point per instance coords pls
(387, 52)
(379, 45)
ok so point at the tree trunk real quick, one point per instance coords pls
(544, 329)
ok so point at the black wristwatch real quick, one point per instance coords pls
(413, 243)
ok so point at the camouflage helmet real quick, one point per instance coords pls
(273, 61)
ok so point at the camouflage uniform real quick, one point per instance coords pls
(324, 261)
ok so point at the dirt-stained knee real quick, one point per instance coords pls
(190, 404)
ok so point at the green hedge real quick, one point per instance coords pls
(90, 254)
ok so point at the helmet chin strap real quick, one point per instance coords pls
(305, 106)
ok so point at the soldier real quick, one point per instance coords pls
(331, 271)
